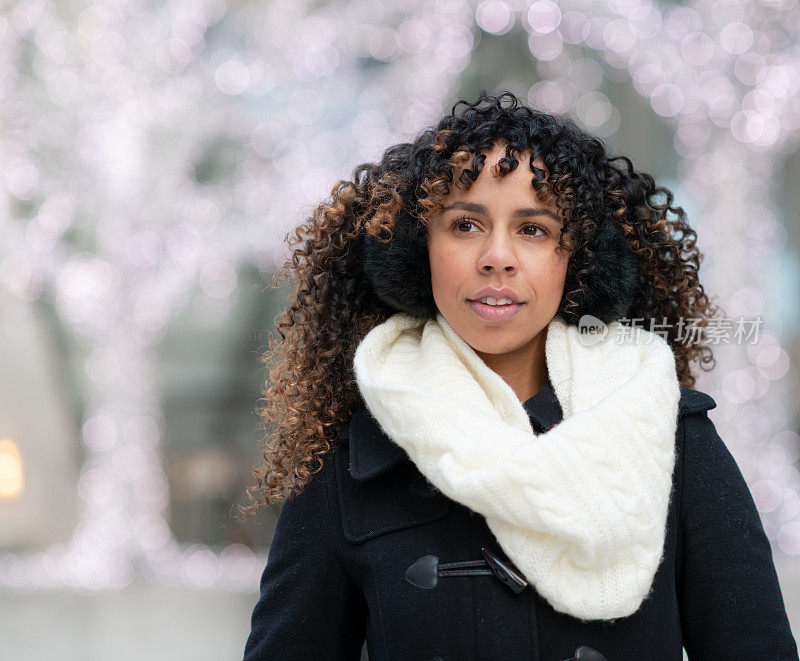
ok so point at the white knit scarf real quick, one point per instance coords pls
(581, 509)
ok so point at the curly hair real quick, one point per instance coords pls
(313, 389)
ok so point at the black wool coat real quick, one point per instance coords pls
(337, 568)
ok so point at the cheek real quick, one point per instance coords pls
(558, 263)
(445, 266)
(547, 276)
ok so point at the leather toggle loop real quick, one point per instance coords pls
(425, 572)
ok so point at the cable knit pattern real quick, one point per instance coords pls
(580, 510)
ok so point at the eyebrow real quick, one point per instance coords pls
(519, 213)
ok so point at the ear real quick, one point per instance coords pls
(399, 269)
(611, 286)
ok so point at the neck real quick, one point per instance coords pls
(524, 369)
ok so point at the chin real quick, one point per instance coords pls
(491, 341)
(492, 350)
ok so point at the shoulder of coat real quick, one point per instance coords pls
(694, 401)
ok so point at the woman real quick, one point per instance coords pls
(485, 421)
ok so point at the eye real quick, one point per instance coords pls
(461, 220)
(537, 227)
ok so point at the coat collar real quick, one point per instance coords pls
(372, 452)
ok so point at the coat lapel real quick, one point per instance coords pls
(371, 451)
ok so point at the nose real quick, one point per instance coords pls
(499, 254)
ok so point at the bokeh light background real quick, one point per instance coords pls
(154, 155)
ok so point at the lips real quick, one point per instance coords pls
(495, 312)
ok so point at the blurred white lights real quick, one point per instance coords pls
(315, 62)
(22, 178)
(99, 433)
(218, 278)
(415, 35)
(103, 366)
(736, 38)
(586, 74)
(152, 531)
(574, 27)
(543, 16)
(494, 16)
(697, 48)
(18, 276)
(456, 43)
(767, 495)
(552, 96)
(667, 100)
(594, 109)
(172, 55)
(384, 45)
(201, 568)
(620, 36)
(545, 46)
(137, 227)
(232, 77)
(370, 128)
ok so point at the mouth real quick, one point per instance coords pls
(489, 312)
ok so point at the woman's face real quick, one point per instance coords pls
(498, 235)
